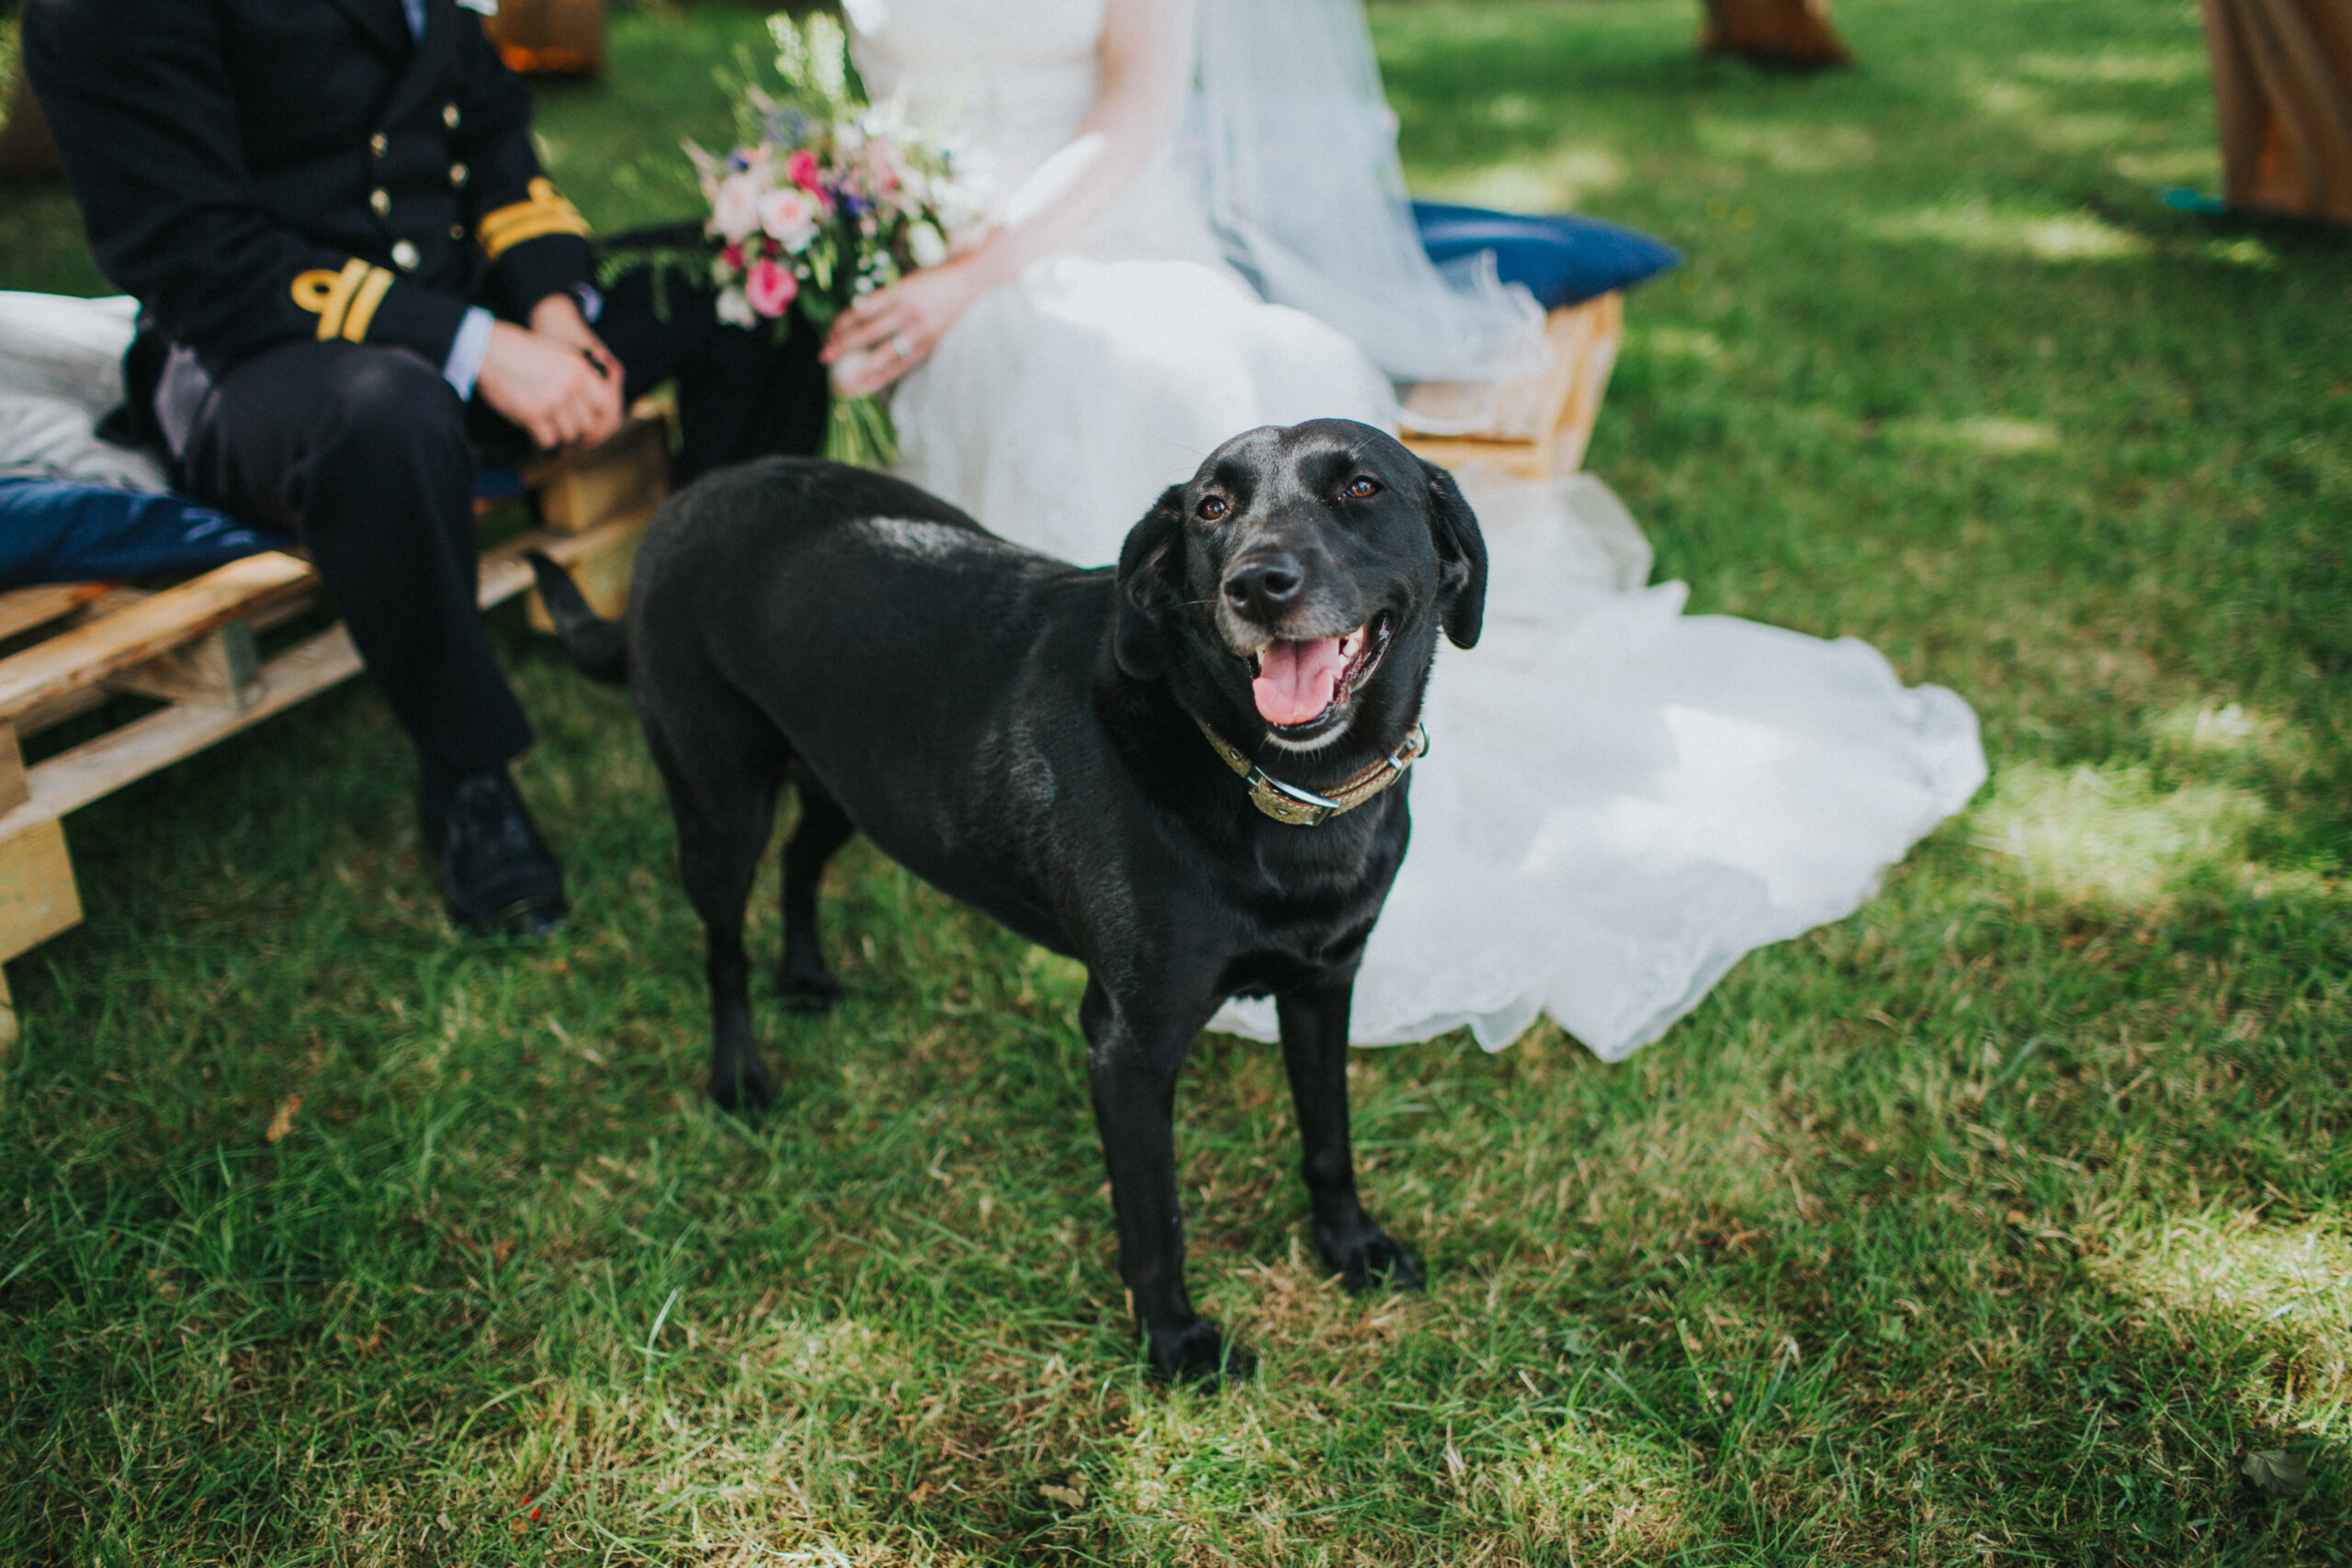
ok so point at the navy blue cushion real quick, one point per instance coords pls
(494, 480)
(1561, 259)
(64, 531)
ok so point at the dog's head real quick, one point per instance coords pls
(1303, 575)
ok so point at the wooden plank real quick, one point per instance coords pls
(56, 710)
(96, 767)
(580, 489)
(1543, 425)
(221, 668)
(14, 790)
(90, 653)
(22, 609)
(603, 575)
(504, 572)
(1598, 362)
(38, 898)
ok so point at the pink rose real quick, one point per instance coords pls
(801, 170)
(791, 216)
(730, 256)
(770, 287)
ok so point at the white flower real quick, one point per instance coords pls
(789, 216)
(735, 206)
(736, 311)
(925, 243)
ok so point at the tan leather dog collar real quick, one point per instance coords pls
(1303, 807)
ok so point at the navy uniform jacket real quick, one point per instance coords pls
(263, 171)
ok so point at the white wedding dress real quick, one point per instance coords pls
(1621, 799)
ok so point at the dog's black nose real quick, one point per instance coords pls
(1264, 588)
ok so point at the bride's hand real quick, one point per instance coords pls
(891, 331)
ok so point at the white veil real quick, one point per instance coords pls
(1297, 155)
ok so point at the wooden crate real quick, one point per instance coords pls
(193, 647)
(1542, 425)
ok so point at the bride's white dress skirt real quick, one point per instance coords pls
(1621, 800)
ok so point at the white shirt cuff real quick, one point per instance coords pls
(466, 350)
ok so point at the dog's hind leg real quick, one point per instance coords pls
(1315, 1051)
(803, 981)
(722, 793)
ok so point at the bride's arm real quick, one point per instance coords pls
(1146, 69)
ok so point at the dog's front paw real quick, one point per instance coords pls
(1199, 1353)
(743, 1089)
(1371, 1255)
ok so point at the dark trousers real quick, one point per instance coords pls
(364, 453)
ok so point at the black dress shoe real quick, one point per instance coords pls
(496, 872)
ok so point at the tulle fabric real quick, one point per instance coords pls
(1296, 153)
(1622, 799)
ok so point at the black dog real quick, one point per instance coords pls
(1090, 757)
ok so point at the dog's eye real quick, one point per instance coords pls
(1213, 507)
(1362, 488)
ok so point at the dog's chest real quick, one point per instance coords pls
(1301, 909)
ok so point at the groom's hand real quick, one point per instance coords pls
(891, 331)
(563, 391)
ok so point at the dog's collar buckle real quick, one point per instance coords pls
(1297, 807)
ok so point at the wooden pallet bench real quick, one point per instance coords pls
(1542, 425)
(192, 646)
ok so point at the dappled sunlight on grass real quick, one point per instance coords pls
(2010, 229)
(1195, 1473)
(1573, 1485)
(2287, 1285)
(2166, 67)
(2231, 729)
(1558, 180)
(2110, 834)
(1999, 437)
(1674, 343)
(2198, 166)
(2245, 250)
(2087, 132)
(1791, 149)
(746, 1438)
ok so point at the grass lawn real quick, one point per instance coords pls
(2000, 1223)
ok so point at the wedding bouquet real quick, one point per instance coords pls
(827, 198)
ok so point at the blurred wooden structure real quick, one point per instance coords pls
(1541, 426)
(549, 38)
(2282, 92)
(1773, 32)
(67, 649)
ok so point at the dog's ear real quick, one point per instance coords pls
(1150, 566)
(1462, 558)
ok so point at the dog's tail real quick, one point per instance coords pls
(598, 646)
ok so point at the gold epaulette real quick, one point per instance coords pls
(345, 302)
(544, 212)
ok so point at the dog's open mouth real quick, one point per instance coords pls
(1296, 684)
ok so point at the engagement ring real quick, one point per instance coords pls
(901, 347)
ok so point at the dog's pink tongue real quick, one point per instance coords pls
(1297, 679)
